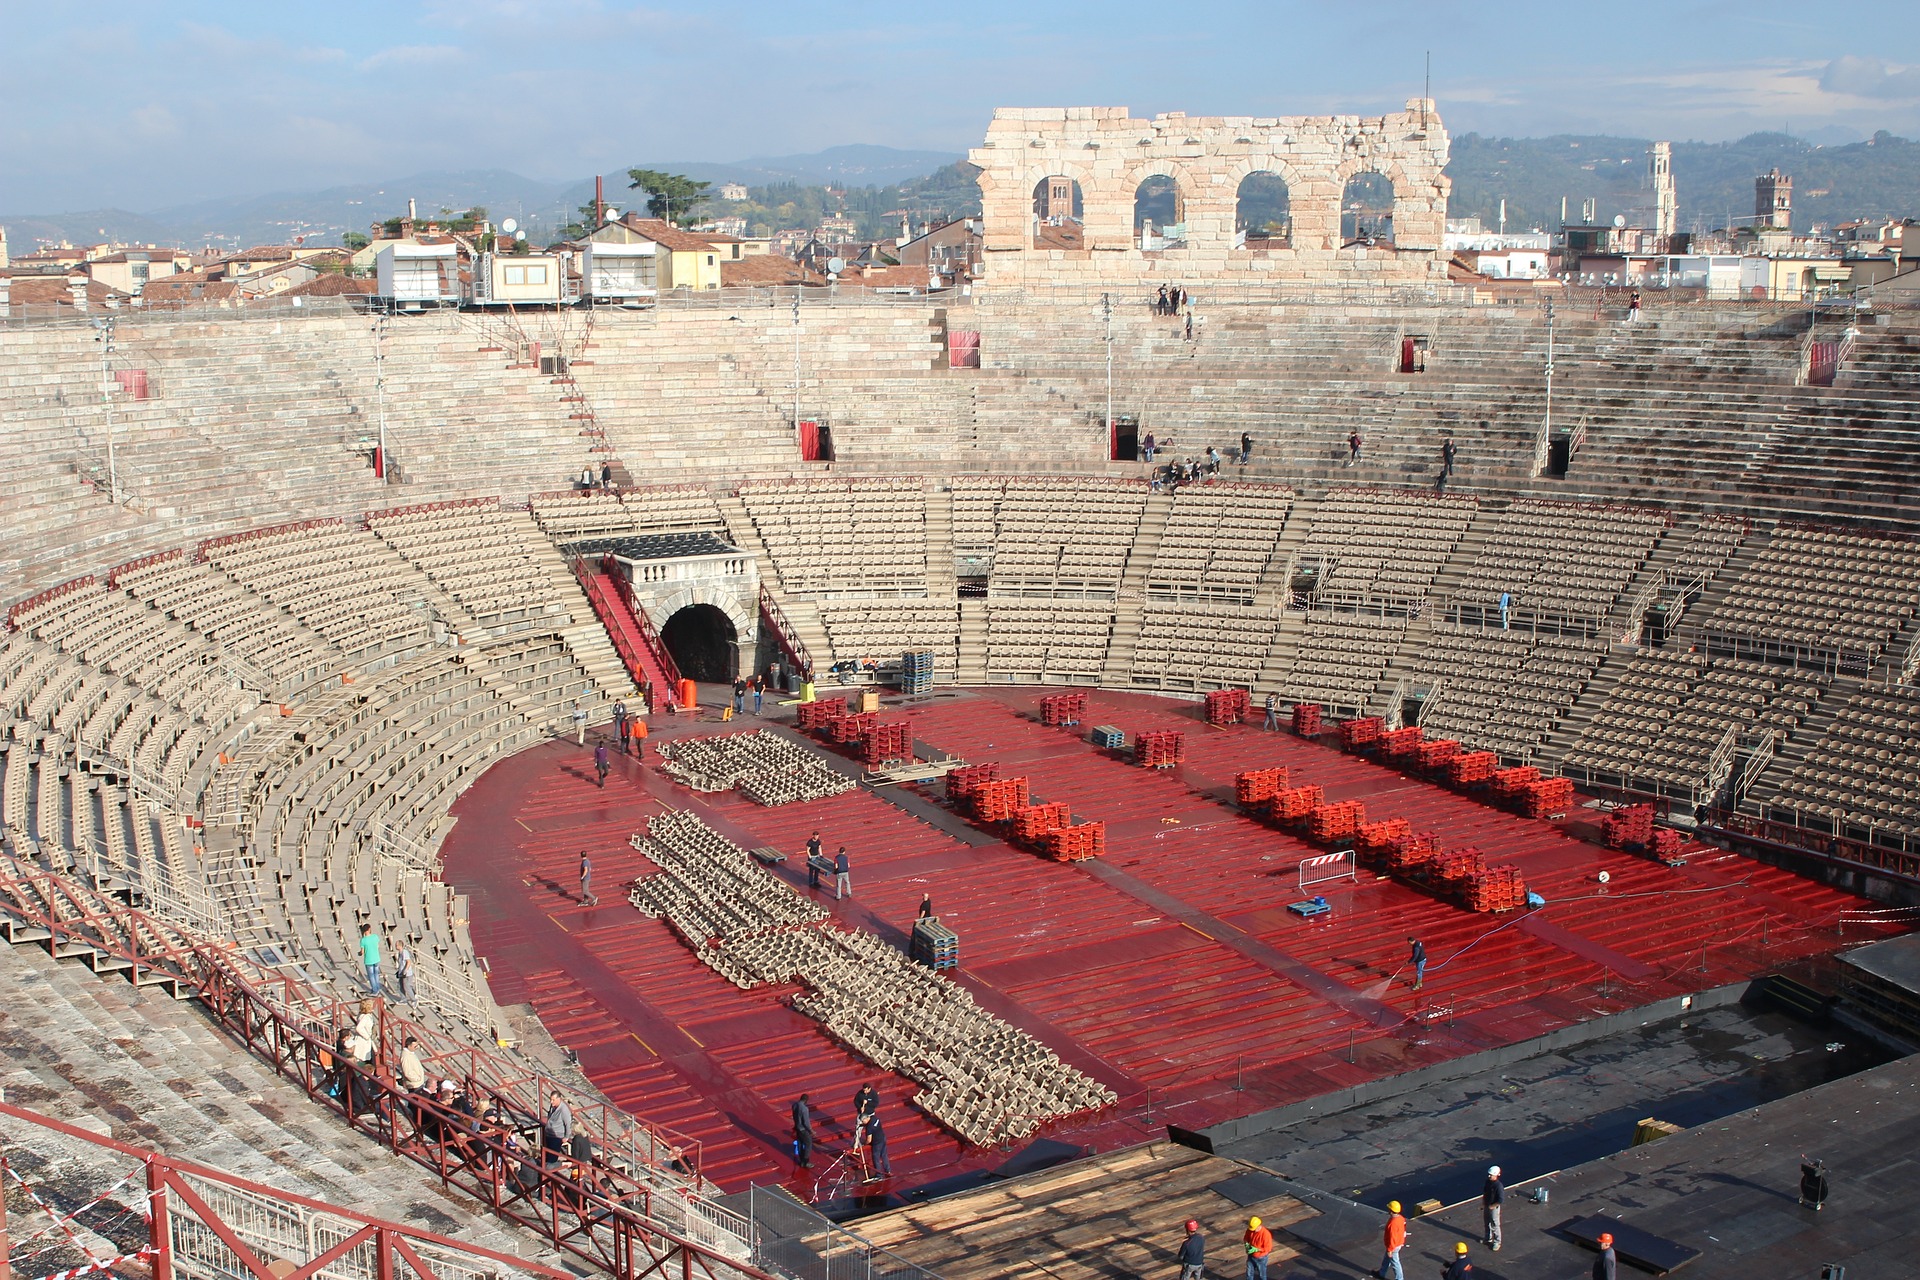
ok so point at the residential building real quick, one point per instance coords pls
(686, 260)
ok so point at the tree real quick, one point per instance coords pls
(355, 240)
(581, 227)
(671, 196)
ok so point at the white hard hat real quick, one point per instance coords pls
(1493, 1171)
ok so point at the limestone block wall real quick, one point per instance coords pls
(1109, 153)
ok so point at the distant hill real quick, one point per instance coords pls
(1713, 180)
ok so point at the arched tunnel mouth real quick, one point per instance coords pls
(704, 643)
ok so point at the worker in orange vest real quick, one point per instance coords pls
(1396, 1240)
(638, 728)
(1259, 1242)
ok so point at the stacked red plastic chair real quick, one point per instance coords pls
(1363, 732)
(1306, 719)
(1628, 828)
(809, 716)
(1062, 709)
(1547, 798)
(1511, 782)
(1397, 744)
(1471, 768)
(965, 780)
(1434, 753)
(1290, 804)
(1327, 823)
(1254, 787)
(1228, 706)
(1033, 822)
(1160, 748)
(1076, 844)
(888, 740)
(1496, 889)
(1378, 838)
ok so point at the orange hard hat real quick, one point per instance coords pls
(1192, 1225)
(1606, 1239)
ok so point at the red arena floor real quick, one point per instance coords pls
(1170, 969)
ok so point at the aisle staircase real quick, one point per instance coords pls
(634, 639)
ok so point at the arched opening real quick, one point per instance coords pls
(1159, 214)
(1366, 209)
(704, 644)
(1263, 213)
(1058, 212)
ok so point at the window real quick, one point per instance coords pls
(536, 275)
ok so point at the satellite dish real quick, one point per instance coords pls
(1619, 219)
(836, 265)
(509, 226)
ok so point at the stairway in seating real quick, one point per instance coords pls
(971, 663)
(1574, 722)
(628, 640)
(1273, 587)
(1146, 545)
(1696, 619)
(742, 534)
(940, 579)
(1125, 638)
(1788, 755)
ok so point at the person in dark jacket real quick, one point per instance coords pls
(1493, 1196)
(1461, 1268)
(1606, 1266)
(802, 1132)
(1193, 1253)
(1417, 957)
(601, 763)
(1813, 1182)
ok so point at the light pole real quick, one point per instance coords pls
(796, 359)
(380, 394)
(1106, 313)
(106, 398)
(1547, 428)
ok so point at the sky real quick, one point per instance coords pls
(145, 104)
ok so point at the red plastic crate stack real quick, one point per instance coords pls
(964, 781)
(1451, 870)
(1496, 889)
(1327, 823)
(1363, 732)
(811, 715)
(1547, 797)
(1035, 820)
(1160, 748)
(996, 801)
(1228, 706)
(888, 740)
(1511, 782)
(1472, 767)
(1412, 852)
(1062, 708)
(1379, 837)
(1666, 844)
(1306, 719)
(1396, 743)
(1076, 844)
(1435, 752)
(1255, 786)
(852, 728)
(1290, 804)
(1628, 828)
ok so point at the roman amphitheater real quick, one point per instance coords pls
(1647, 648)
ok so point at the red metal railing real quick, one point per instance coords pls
(608, 611)
(783, 631)
(630, 1220)
(51, 593)
(1900, 863)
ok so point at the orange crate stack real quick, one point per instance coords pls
(1336, 821)
(1665, 844)
(1497, 889)
(1629, 828)
(1547, 797)
(964, 781)
(996, 801)
(1228, 706)
(1510, 782)
(1434, 752)
(1379, 837)
(1293, 803)
(1400, 742)
(1362, 732)
(1256, 785)
(1412, 852)
(1035, 820)
(1455, 868)
(852, 728)
(1306, 719)
(1076, 844)
(1472, 767)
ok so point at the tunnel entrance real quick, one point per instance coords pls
(703, 643)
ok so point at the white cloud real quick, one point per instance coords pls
(1870, 78)
(412, 55)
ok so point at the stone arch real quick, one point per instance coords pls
(1159, 203)
(1263, 212)
(1369, 198)
(1059, 211)
(669, 598)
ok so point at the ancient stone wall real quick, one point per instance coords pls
(1109, 154)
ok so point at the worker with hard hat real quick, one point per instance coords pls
(1493, 1197)
(1395, 1240)
(1193, 1253)
(1605, 1267)
(1461, 1268)
(1259, 1242)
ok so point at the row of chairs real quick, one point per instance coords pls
(1198, 646)
(1503, 691)
(1817, 588)
(1865, 770)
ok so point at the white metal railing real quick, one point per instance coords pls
(1637, 608)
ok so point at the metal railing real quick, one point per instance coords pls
(637, 1207)
(790, 641)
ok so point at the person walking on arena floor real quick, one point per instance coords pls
(587, 896)
(1193, 1253)
(579, 723)
(1461, 1268)
(602, 761)
(1607, 1265)
(1493, 1197)
(1395, 1239)
(620, 725)
(759, 692)
(739, 696)
(802, 1132)
(370, 957)
(403, 973)
(1273, 713)
(1259, 1242)
(842, 875)
(1417, 957)
(814, 857)
(637, 730)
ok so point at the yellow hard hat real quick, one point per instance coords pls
(1461, 1247)
(1254, 1223)
(1393, 1206)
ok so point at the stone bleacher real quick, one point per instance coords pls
(833, 535)
(1862, 778)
